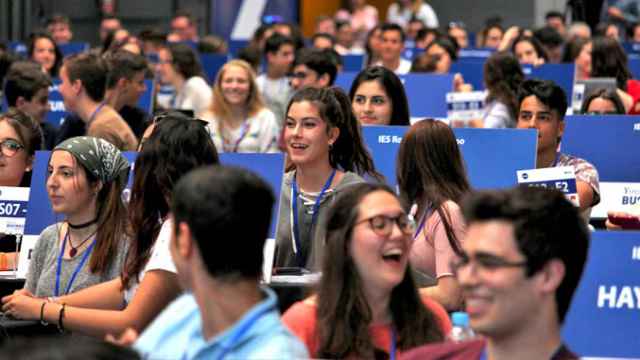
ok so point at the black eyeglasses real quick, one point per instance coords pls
(484, 262)
(10, 147)
(382, 225)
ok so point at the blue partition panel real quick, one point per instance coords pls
(492, 156)
(603, 317)
(73, 48)
(561, 74)
(40, 215)
(211, 63)
(352, 63)
(426, 92)
(611, 143)
(472, 72)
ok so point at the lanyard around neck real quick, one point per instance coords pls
(236, 144)
(295, 229)
(95, 112)
(243, 329)
(76, 271)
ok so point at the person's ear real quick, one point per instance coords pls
(323, 80)
(29, 166)
(334, 133)
(551, 275)
(184, 240)
(20, 102)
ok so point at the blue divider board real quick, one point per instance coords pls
(475, 53)
(603, 318)
(40, 215)
(426, 92)
(57, 111)
(211, 63)
(634, 66)
(352, 63)
(611, 143)
(631, 48)
(561, 74)
(236, 45)
(18, 47)
(410, 53)
(73, 48)
(492, 156)
(472, 71)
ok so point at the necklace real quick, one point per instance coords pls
(74, 249)
(83, 225)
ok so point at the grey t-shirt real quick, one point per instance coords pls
(41, 277)
(310, 246)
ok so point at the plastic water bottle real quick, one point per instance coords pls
(460, 330)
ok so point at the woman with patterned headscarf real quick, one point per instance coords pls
(86, 177)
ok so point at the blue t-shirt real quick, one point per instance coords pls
(177, 334)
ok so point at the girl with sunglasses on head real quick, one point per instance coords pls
(327, 154)
(367, 305)
(432, 177)
(20, 137)
(148, 280)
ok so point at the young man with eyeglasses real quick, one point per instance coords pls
(314, 68)
(542, 105)
(522, 260)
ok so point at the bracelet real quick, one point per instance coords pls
(60, 326)
(44, 323)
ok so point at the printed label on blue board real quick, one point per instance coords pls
(465, 106)
(13, 209)
(561, 178)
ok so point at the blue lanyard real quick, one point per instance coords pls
(295, 231)
(426, 214)
(392, 355)
(75, 273)
(95, 112)
(243, 329)
(555, 161)
(243, 133)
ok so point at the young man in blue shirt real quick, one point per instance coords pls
(224, 313)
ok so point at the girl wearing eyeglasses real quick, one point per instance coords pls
(325, 148)
(432, 177)
(20, 137)
(239, 119)
(367, 305)
(148, 280)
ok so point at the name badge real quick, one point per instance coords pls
(561, 178)
(465, 106)
(26, 251)
(13, 209)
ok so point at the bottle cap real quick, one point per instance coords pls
(460, 318)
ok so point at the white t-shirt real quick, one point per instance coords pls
(404, 67)
(402, 16)
(276, 94)
(160, 258)
(258, 134)
(194, 95)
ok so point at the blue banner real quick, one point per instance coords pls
(57, 111)
(40, 214)
(426, 93)
(237, 20)
(73, 48)
(492, 156)
(211, 63)
(609, 142)
(603, 318)
(561, 74)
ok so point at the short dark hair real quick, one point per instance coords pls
(535, 214)
(324, 36)
(184, 13)
(554, 14)
(393, 27)
(91, 69)
(124, 64)
(393, 88)
(275, 41)
(185, 60)
(220, 200)
(24, 79)
(547, 92)
(548, 36)
(317, 60)
(59, 19)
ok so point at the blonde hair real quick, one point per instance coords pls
(219, 106)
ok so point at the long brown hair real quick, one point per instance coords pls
(177, 145)
(430, 171)
(343, 313)
(334, 107)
